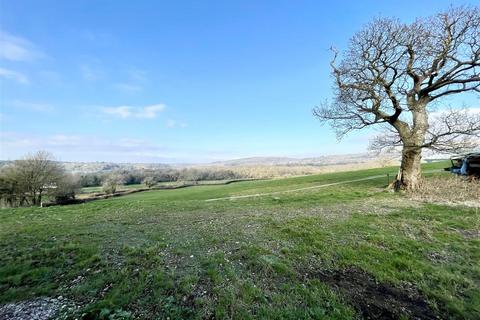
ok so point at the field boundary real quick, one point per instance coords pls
(102, 196)
(306, 188)
(294, 190)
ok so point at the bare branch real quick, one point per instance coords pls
(391, 68)
(391, 73)
(454, 131)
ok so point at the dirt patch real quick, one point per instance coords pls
(274, 193)
(41, 308)
(375, 300)
(470, 234)
(470, 204)
(35, 309)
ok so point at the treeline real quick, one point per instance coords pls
(159, 175)
(211, 173)
(38, 178)
(35, 178)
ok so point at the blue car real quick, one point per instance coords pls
(466, 165)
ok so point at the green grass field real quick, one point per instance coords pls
(88, 190)
(85, 191)
(340, 252)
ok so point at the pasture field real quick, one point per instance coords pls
(89, 190)
(86, 191)
(345, 251)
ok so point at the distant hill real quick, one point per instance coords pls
(313, 161)
(253, 161)
(88, 167)
(85, 167)
(321, 161)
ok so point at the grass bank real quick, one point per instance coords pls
(341, 252)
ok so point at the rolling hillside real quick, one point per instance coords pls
(337, 252)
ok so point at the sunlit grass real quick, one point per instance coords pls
(169, 253)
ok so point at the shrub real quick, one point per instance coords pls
(90, 180)
(66, 189)
(111, 183)
(149, 182)
(27, 181)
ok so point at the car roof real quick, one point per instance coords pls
(466, 155)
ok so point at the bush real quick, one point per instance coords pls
(11, 195)
(66, 189)
(111, 182)
(90, 180)
(149, 182)
(29, 180)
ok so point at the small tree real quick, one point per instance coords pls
(35, 175)
(111, 183)
(66, 189)
(149, 182)
(193, 175)
(10, 193)
(391, 75)
(28, 181)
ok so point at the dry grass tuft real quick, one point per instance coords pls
(449, 189)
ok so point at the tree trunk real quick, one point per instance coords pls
(34, 198)
(410, 174)
(39, 201)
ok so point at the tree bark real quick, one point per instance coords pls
(39, 201)
(410, 174)
(34, 198)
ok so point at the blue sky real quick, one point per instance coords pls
(176, 81)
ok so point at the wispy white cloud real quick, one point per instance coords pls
(128, 87)
(15, 48)
(137, 75)
(171, 123)
(136, 79)
(150, 111)
(121, 112)
(98, 37)
(50, 76)
(14, 75)
(15, 145)
(473, 110)
(438, 113)
(90, 73)
(32, 106)
(124, 112)
(67, 147)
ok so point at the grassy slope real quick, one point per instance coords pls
(87, 190)
(169, 253)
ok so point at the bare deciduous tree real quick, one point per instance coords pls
(38, 173)
(149, 181)
(66, 189)
(111, 183)
(392, 73)
(29, 179)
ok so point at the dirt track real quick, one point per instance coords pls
(295, 190)
(305, 188)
